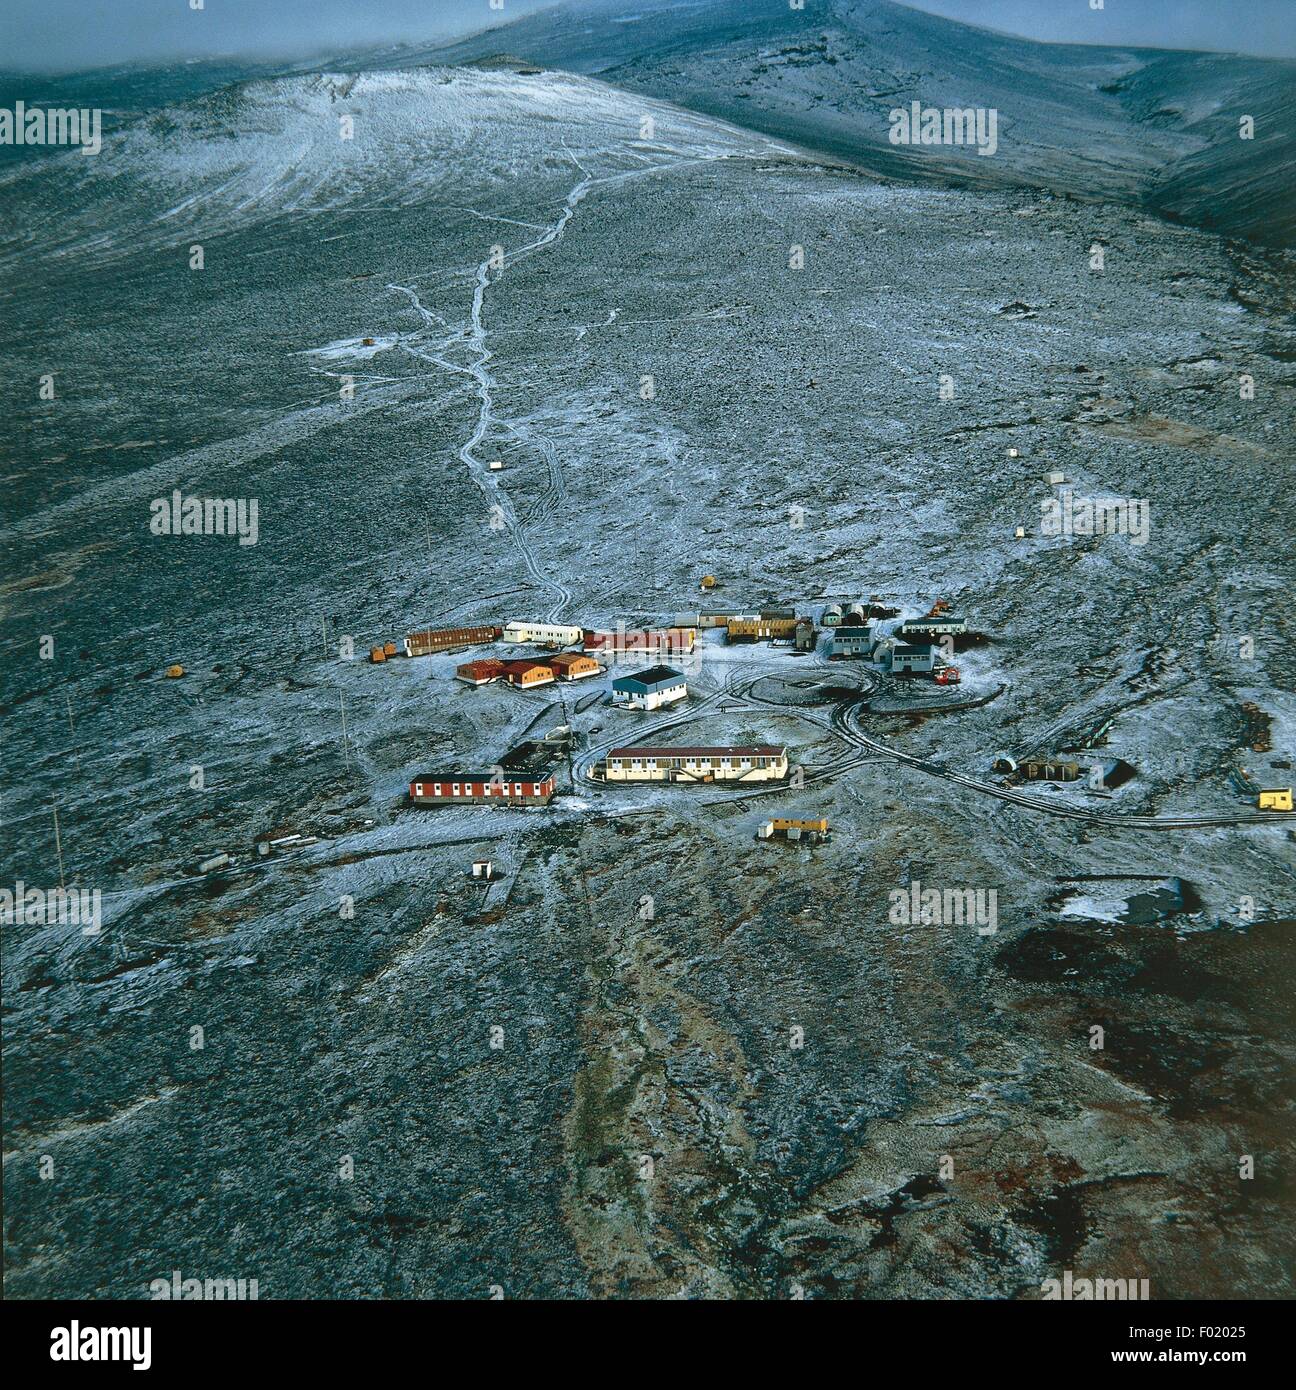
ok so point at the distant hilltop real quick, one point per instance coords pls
(505, 62)
(1206, 139)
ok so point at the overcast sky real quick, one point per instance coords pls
(1263, 27)
(61, 35)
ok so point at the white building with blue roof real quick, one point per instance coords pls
(650, 689)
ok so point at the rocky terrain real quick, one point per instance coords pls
(657, 1057)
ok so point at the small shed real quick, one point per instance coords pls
(1050, 770)
(792, 828)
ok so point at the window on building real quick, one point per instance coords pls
(418, 788)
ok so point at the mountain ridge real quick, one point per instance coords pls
(1156, 128)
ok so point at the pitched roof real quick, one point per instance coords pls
(654, 637)
(461, 777)
(653, 675)
(439, 633)
(758, 751)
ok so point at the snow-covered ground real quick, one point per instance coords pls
(670, 398)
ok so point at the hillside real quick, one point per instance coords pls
(1158, 128)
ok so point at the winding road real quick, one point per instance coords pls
(503, 514)
(843, 722)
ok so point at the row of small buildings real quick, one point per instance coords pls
(553, 636)
(859, 639)
(566, 666)
(529, 784)
(911, 650)
(775, 627)
(769, 624)
(679, 639)
(648, 689)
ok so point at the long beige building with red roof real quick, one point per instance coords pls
(759, 763)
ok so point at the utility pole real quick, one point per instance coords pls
(67, 700)
(58, 847)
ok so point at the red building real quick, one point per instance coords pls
(448, 788)
(669, 640)
(527, 673)
(480, 672)
(445, 639)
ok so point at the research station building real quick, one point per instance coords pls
(450, 788)
(545, 634)
(760, 763)
(650, 689)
